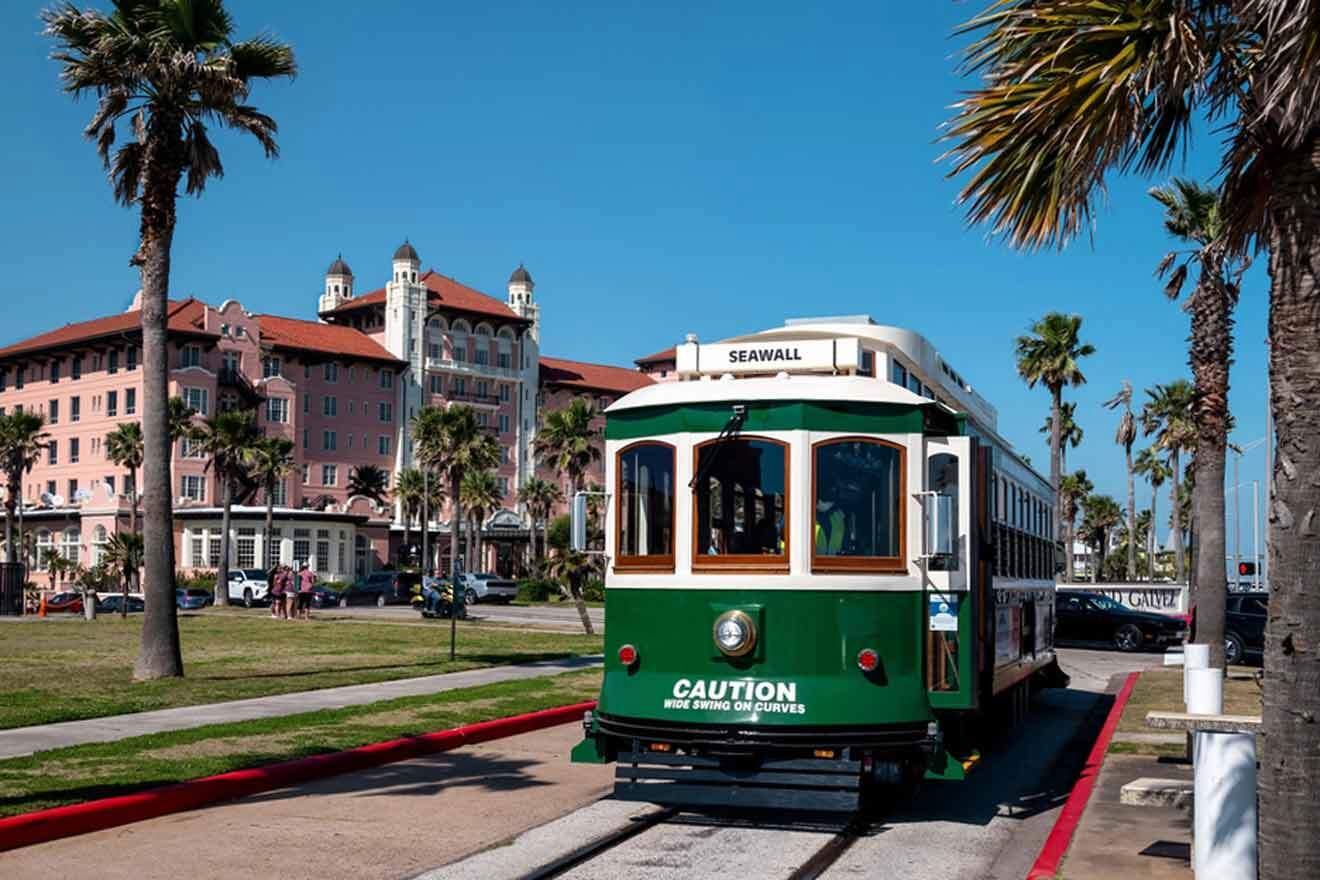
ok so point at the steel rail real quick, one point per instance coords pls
(589, 851)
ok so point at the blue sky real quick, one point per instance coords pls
(661, 169)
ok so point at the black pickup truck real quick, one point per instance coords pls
(1244, 627)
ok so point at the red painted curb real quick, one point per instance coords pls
(1051, 855)
(52, 824)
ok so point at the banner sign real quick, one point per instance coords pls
(789, 355)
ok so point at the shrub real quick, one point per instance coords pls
(594, 591)
(559, 534)
(537, 590)
(198, 580)
(337, 586)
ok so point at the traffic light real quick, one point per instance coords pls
(1246, 569)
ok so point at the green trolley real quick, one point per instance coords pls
(825, 572)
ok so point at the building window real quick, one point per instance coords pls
(99, 539)
(270, 367)
(69, 544)
(322, 556)
(131, 356)
(504, 392)
(45, 548)
(505, 360)
(329, 441)
(190, 448)
(246, 552)
(277, 409)
(130, 401)
(302, 546)
(279, 495)
(898, 374)
(504, 424)
(332, 372)
(19, 375)
(330, 405)
(73, 450)
(196, 544)
(110, 485)
(52, 453)
(306, 474)
(53, 412)
(196, 398)
(273, 549)
(189, 356)
(360, 555)
(858, 495)
(329, 475)
(386, 412)
(383, 444)
(75, 408)
(437, 385)
(72, 493)
(386, 379)
(194, 487)
(54, 371)
(213, 551)
(741, 505)
(75, 370)
(348, 435)
(460, 386)
(307, 438)
(483, 355)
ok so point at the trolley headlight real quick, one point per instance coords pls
(735, 634)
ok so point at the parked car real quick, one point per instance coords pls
(193, 598)
(1244, 627)
(484, 587)
(249, 586)
(110, 604)
(65, 603)
(324, 597)
(382, 588)
(1094, 617)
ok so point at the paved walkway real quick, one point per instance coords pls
(27, 740)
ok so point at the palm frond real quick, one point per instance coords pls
(262, 57)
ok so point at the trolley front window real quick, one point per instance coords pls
(740, 505)
(858, 487)
(646, 508)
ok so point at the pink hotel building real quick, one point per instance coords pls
(343, 389)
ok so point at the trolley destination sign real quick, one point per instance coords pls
(797, 355)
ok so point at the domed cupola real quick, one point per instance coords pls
(406, 262)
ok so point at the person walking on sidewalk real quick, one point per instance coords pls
(306, 579)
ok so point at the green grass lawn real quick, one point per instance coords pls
(82, 773)
(1160, 690)
(66, 669)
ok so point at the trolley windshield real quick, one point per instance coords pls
(740, 498)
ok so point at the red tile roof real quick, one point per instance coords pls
(591, 377)
(443, 291)
(296, 335)
(184, 316)
(668, 354)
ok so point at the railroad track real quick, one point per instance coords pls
(810, 869)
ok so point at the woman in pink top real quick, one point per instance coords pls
(306, 578)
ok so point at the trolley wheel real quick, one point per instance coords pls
(1127, 637)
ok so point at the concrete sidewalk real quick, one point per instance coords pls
(27, 740)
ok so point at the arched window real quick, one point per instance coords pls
(645, 518)
(858, 490)
(70, 547)
(740, 505)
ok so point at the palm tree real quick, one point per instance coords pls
(1195, 215)
(1100, 514)
(540, 496)
(1168, 415)
(1049, 355)
(1151, 465)
(228, 439)
(123, 446)
(167, 69)
(269, 461)
(570, 441)
(180, 418)
(1070, 433)
(409, 491)
(22, 440)
(427, 427)
(1073, 488)
(123, 558)
(1071, 91)
(453, 443)
(370, 482)
(481, 495)
(1125, 436)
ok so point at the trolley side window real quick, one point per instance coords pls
(740, 505)
(645, 538)
(858, 489)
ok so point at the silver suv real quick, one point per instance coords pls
(248, 585)
(484, 587)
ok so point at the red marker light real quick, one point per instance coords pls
(867, 660)
(627, 655)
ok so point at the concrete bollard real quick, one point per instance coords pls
(1224, 806)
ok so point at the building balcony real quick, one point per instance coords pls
(470, 369)
(473, 397)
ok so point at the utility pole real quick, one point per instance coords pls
(1255, 531)
(1237, 523)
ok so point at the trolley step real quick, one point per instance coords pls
(820, 785)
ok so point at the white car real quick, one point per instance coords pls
(485, 587)
(248, 585)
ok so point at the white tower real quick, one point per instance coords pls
(405, 329)
(338, 285)
(523, 305)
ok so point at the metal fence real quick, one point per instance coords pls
(12, 577)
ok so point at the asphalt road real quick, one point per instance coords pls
(989, 827)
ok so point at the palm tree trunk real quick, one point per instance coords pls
(11, 552)
(1153, 539)
(1056, 405)
(1179, 564)
(407, 525)
(133, 527)
(269, 530)
(1068, 552)
(160, 654)
(22, 549)
(456, 526)
(575, 581)
(1131, 520)
(1290, 761)
(222, 572)
(426, 525)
